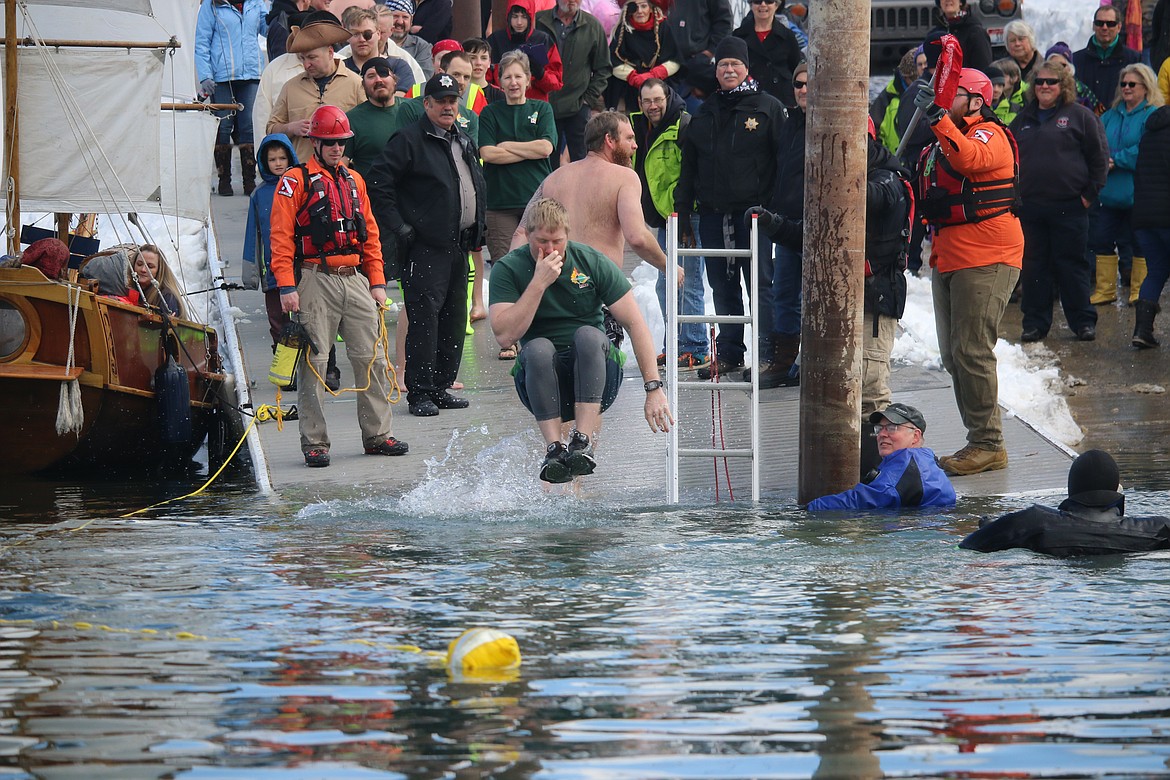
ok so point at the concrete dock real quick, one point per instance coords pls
(496, 439)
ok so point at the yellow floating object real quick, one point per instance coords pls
(479, 650)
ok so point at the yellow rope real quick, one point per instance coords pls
(395, 394)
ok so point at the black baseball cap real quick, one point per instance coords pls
(441, 85)
(901, 413)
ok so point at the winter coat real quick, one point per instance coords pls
(884, 112)
(226, 44)
(906, 478)
(972, 37)
(434, 20)
(279, 26)
(888, 208)
(1123, 130)
(585, 60)
(256, 271)
(658, 159)
(1158, 44)
(1007, 110)
(415, 182)
(772, 62)
(699, 25)
(1151, 176)
(1063, 158)
(788, 193)
(1073, 528)
(729, 154)
(538, 45)
(1101, 69)
(640, 51)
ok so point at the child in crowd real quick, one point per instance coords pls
(480, 53)
(274, 156)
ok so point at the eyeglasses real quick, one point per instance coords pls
(799, 84)
(1046, 82)
(332, 141)
(1105, 22)
(889, 428)
(1132, 84)
(364, 34)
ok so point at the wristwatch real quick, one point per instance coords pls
(652, 385)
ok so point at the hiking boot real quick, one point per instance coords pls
(688, 361)
(1087, 333)
(316, 458)
(973, 460)
(579, 456)
(445, 400)
(777, 375)
(389, 447)
(554, 469)
(721, 367)
(1031, 335)
(424, 407)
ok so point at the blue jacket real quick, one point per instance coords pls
(1124, 130)
(257, 248)
(226, 43)
(906, 478)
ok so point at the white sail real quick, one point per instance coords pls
(129, 6)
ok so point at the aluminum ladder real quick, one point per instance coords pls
(673, 385)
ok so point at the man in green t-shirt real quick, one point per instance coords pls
(548, 296)
(374, 121)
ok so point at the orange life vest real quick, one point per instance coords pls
(946, 197)
(330, 221)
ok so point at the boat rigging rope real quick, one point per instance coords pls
(70, 414)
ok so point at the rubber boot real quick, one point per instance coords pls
(248, 167)
(785, 348)
(1106, 291)
(1143, 329)
(870, 457)
(1136, 277)
(223, 166)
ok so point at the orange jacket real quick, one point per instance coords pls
(290, 196)
(981, 152)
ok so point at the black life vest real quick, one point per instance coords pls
(330, 221)
(946, 197)
(887, 248)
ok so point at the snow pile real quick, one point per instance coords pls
(1070, 21)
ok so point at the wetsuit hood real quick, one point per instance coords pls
(262, 155)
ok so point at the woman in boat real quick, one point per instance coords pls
(150, 268)
(113, 276)
(1091, 521)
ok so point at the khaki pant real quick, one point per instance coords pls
(501, 224)
(875, 362)
(332, 304)
(968, 306)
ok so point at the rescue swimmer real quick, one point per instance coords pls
(327, 259)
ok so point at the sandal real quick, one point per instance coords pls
(509, 353)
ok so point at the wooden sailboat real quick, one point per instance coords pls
(118, 412)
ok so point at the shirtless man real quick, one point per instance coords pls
(603, 195)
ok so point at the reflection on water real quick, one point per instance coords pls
(258, 640)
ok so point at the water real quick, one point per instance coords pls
(695, 642)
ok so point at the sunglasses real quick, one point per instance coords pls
(799, 84)
(1046, 82)
(364, 34)
(1132, 84)
(763, 2)
(1105, 23)
(332, 141)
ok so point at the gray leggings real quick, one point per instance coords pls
(551, 383)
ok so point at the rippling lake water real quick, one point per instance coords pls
(235, 637)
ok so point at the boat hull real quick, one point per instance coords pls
(116, 350)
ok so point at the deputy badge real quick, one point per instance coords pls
(579, 279)
(288, 186)
(751, 124)
(446, 81)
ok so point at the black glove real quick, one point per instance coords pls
(686, 236)
(925, 100)
(405, 235)
(769, 222)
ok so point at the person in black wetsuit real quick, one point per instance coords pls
(1091, 521)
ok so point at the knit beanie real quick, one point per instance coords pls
(402, 6)
(731, 48)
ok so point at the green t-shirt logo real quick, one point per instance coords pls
(581, 280)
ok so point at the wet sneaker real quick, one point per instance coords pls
(389, 447)
(316, 458)
(722, 367)
(580, 454)
(554, 469)
(445, 400)
(972, 460)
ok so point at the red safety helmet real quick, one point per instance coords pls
(976, 83)
(329, 123)
(872, 130)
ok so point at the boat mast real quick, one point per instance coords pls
(11, 130)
